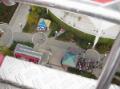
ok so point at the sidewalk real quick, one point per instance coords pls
(19, 18)
(24, 37)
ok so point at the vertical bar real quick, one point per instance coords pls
(111, 66)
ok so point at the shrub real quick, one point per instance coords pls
(6, 12)
(24, 43)
(54, 27)
(82, 73)
(35, 14)
(104, 45)
(6, 51)
(118, 74)
(116, 81)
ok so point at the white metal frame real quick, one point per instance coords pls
(75, 6)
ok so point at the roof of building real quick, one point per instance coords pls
(69, 59)
(23, 49)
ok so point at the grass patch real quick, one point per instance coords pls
(84, 74)
(116, 81)
(54, 27)
(117, 74)
(6, 51)
(10, 51)
(104, 45)
(35, 14)
(6, 12)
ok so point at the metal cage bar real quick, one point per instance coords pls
(75, 6)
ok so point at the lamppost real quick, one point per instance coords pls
(99, 33)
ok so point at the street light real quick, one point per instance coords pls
(89, 44)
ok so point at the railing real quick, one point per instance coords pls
(74, 6)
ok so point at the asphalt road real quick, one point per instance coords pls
(25, 37)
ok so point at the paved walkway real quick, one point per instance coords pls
(19, 18)
(58, 49)
(24, 37)
(39, 38)
(7, 37)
